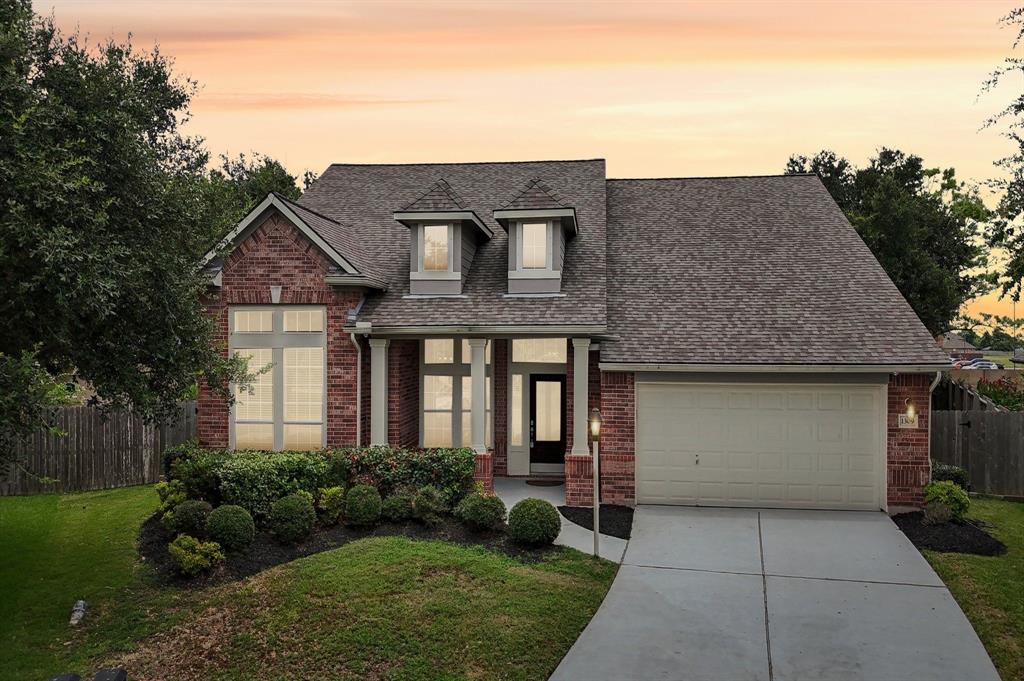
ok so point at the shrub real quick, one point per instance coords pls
(331, 504)
(188, 517)
(397, 508)
(534, 521)
(481, 511)
(199, 473)
(292, 518)
(362, 505)
(185, 450)
(945, 471)
(231, 526)
(391, 470)
(254, 480)
(950, 494)
(1006, 392)
(171, 494)
(937, 513)
(193, 556)
(428, 505)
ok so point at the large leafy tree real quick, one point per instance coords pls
(105, 210)
(922, 225)
(1007, 229)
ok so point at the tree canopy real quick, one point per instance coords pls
(107, 208)
(922, 224)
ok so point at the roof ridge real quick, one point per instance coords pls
(708, 177)
(446, 188)
(308, 209)
(541, 185)
(471, 163)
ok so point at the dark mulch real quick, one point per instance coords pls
(952, 537)
(616, 520)
(266, 552)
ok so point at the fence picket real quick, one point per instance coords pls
(988, 444)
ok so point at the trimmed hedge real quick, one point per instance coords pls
(481, 511)
(231, 527)
(362, 505)
(255, 479)
(188, 517)
(397, 508)
(946, 471)
(534, 521)
(331, 504)
(193, 556)
(428, 505)
(292, 518)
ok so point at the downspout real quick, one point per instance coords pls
(931, 388)
(352, 314)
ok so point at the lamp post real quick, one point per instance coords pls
(595, 434)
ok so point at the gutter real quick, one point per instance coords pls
(931, 388)
(479, 329)
(773, 368)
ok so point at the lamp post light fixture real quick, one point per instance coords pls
(595, 435)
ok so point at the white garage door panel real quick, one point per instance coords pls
(738, 445)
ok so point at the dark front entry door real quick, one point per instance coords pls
(547, 418)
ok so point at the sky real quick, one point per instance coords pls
(658, 89)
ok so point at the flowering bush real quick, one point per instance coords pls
(389, 469)
(1005, 392)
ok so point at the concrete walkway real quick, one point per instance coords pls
(709, 593)
(511, 490)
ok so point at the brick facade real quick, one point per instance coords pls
(908, 465)
(403, 393)
(499, 365)
(277, 254)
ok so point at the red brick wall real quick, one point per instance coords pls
(499, 365)
(907, 448)
(484, 471)
(277, 254)
(403, 393)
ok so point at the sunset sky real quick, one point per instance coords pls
(657, 89)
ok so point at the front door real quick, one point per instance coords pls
(547, 418)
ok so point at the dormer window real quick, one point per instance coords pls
(436, 247)
(535, 240)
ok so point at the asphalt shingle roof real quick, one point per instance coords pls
(748, 270)
(366, 196)
(440, 197)
(535, 195)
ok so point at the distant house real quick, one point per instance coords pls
(955, 346)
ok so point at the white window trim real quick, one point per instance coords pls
(421, 246)
(546, 272)
(457, 370)
(277, 340)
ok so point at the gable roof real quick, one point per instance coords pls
(365, 197)
(440, 202)
(535, 194)
(749, 271)
(439, 197)
(333, 239)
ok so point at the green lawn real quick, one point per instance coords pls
(383, 607)
(991, 590)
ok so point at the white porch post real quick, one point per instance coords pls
(379, 391)
(580, 390)
(478, 432)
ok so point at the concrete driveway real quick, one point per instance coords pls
(734, 594)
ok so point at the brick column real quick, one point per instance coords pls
(907, 449)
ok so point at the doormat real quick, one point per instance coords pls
(545, 482)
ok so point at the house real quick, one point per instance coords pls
(957, 347)
(742, 344)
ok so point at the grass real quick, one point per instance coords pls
(991, 589)
(383, 607)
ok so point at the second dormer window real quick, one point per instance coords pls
(435, 248)
(535, 245)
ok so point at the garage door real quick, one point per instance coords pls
(760, 445)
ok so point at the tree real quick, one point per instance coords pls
(1007, 229)
(107, 208)
(922, 225)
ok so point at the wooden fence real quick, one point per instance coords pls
(988, 444)
(97, 451)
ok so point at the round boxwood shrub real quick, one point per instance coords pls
(331, 504)
(428, 505)
(949, 494)
(292, 518)
(362, 505)
(188, 517)
(231, 526)
(481, 511)
(534, 521)
(397, 508)
(192, 556)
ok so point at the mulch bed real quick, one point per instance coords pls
(266, 552)
(953, 537)
(616, 521)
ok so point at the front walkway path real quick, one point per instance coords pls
(511, 490)
(708, 593)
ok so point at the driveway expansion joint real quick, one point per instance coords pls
(764, 593)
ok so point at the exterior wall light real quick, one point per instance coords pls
(595, 434)
(595, 425)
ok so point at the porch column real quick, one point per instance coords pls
(379, 391)
(478, 431)
(580, 375)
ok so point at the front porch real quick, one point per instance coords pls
(521, 404)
